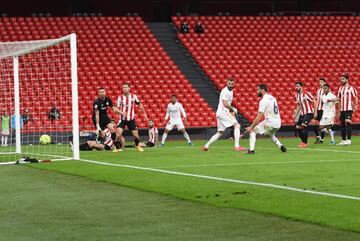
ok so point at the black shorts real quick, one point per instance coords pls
(319, 115)
(103, 121)
(345, 115)
(107, 148)
(131, 124)
(305, 119)
(150, 144)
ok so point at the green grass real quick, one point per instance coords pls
(322, 168)
(42, 205)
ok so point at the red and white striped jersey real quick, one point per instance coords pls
(152, 134)
(108, 140)
(346, 95)
(304, 99)
(127, 105)
(319, 94)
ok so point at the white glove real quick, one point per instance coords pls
(234, 110)
(98, 128)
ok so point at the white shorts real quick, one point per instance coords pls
(327, 120)
(5, 132)
(225, 121)
(264, 129)
(179, 124)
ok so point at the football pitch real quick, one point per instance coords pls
(179, 192)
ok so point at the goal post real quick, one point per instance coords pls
(39, 97)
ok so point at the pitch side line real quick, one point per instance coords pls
(257, 163)
(225, 180)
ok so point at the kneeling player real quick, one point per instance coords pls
(106, 143)
(268, 108)
(329, 111)
(153, 134)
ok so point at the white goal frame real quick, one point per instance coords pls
(38, 45)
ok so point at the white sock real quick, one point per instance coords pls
(237, 136)
(6, 138)
(187, 137)
(252, 141)
(213, 139)
(276, 140)
(163, 138)
(331, 132)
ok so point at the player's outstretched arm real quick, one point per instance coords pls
(97, 119)
(142, 109)
(228, 106)
(117, 111)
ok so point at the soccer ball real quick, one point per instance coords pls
(45, 139)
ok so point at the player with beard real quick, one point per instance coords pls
(319, 94)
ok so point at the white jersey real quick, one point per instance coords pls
(226, 95)
(174, 111)
(328, 107)
(268, 105)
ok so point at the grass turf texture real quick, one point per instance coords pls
(324, 169)
(44, 205)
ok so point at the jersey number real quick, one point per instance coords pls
(276, 109)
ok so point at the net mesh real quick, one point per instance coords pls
(45, 99)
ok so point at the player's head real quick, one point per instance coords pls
(299, 87)
(150, 123)
(326, 88)
(102, 92)
(262, 89)
(126, 88)
(230, 83)
(322, 81)
(173, 99)
(344, 78)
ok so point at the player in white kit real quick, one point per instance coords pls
(329, 112)
(225, 115)
(174, 110)
(268, 109)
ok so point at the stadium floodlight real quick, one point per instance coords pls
(39, 94)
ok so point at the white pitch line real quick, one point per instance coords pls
(225, 180)
(257, 163)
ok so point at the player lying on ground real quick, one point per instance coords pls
(106, 142)
(126, 103)
(153, 134)
(225, 116)
(174, 110)
(328, 115)
(269, 109)
(307, 107)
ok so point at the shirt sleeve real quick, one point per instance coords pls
(262, 106)
(136, 99)
(95, 105)
(182, 111)
(309, 96)
(353, 92)
(224, 95)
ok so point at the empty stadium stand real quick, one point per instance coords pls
(112, 51)
(278, 51)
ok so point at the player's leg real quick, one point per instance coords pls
(119, 139)
(348, 127)
(135, 133)
(181, 128)
(252, 141)
(169, 126)
(316, 126)
(331, 133)
(6, 140)
(342, 128)
(220, 130)
(2, 140)
(95, 145)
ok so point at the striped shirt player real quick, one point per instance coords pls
(153, 136)
(347, 96)
(108, 142)
(320, 107)
(126, 104)
(304, 101)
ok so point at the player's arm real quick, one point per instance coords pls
(183, 114)
(97, 119)
(315, 107)
(167, 114)
(117, 111)
(297, 110)
(356, 100)
(257, 120)
(228, 106)
(142, 109)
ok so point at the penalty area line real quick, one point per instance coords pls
(269, 185)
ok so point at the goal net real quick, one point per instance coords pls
(39, 99)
